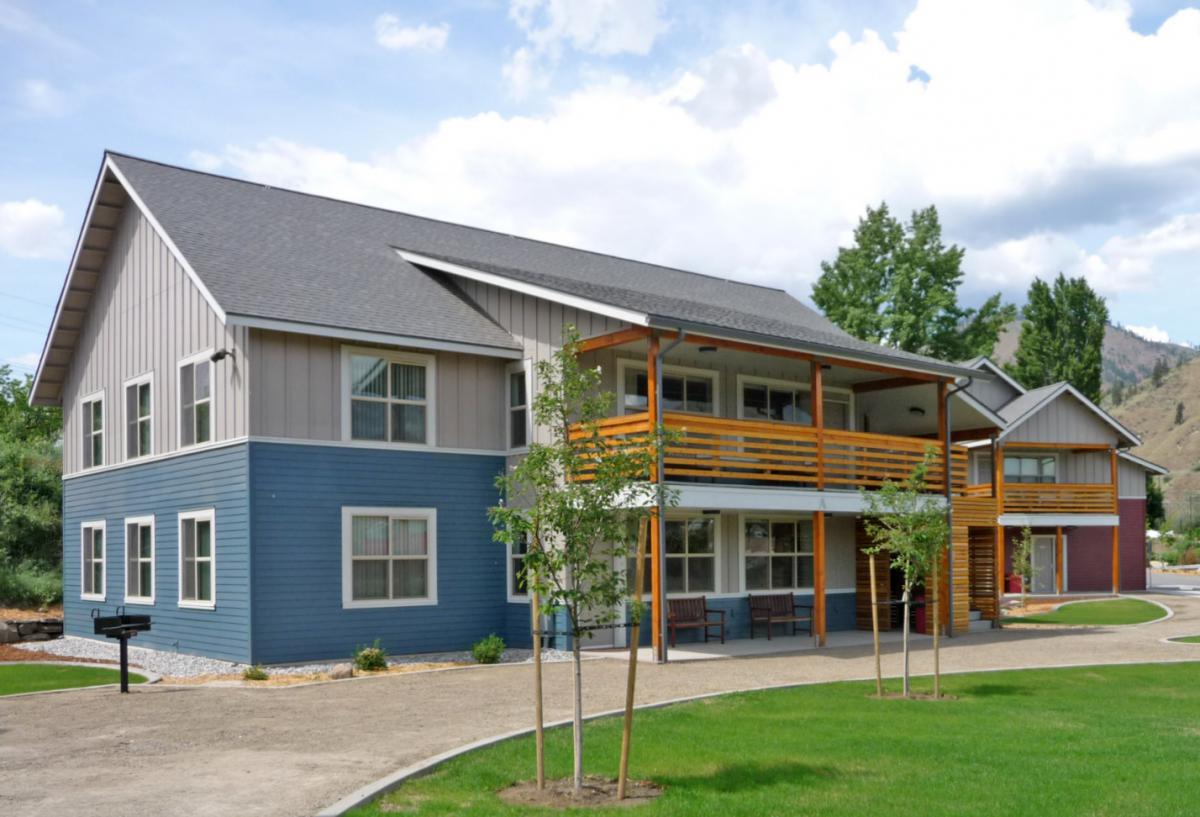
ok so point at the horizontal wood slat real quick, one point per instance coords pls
(1059, 497)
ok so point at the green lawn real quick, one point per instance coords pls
(1097, 613)
(1188, 639)
(1095, 741)
(17, 678)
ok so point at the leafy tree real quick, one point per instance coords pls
(904, 524)
(1156, 511)
(1179, 413)
(898, 285)
(30, 485)
(1022, 560)
(1062, 337)
(574, 499)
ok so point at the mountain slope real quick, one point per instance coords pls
(1151, 415)
(1127, 357)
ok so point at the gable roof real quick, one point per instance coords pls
(1153, 468)
(985, 362)
(1016, 412)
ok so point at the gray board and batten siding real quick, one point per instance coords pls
(145, 316)
(1064, 420)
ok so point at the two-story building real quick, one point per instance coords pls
(284, 415)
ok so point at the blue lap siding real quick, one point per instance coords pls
(203, 479)
(297, 499)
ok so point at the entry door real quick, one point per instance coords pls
(1043, 565)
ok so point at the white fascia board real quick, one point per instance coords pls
(1069, 389)
(339, 333)
(545, 293)
(1153, 468)
(1054, 520)
(746, 498)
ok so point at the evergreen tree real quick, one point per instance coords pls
(1159, 372)
(1118, 393)
(898, 286)
(1062, 337)
(1156, 512)
(1179, 414)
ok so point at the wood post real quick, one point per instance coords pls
(656, 578)
(819, 617)
(1116, 508)
(535, 612)
(875, 625)
(635, 635)
(817, 395)
(1058, 561)
(1116, 531)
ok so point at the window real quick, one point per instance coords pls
(389, 397)
(92, 573)
(984, 469)
(195, 401)
(92, 421)
(778, 554)
(197, 559)
(139, 560)
(518, 406)
(389, 556)
(1039, 468)
(792, 403)
(691, 556)
(682, 389)
(517, 587)
(138, 440)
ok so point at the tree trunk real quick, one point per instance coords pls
(635, 635)
(539, 732)
(1024, 594)
(907, 597)
(577, 726)
(937, 626)
(875, 626)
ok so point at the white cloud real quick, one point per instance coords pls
(40, 98)
(390, 34)
(32, 229)
(600, 27)
(758, 168)
(1150, 333)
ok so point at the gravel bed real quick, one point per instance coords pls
(181, 665)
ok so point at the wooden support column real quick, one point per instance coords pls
(1058, 561)
(1116, 531)
(819, 617)
(946, 581)
(998, 492)
(817, 395)
(656, 578)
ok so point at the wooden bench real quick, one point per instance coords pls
(778, 608)
(693, 614)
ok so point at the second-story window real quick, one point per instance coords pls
(518, 406)
(389, 398)
(1041, 468)
(138, 439)
(693, 391)
(791, 403)
(195, 402)
(91, 420)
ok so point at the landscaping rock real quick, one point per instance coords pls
(36, 630)
(8, 634)
(339, 671)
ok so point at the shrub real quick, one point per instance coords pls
(488, 650)
(370, 659)
(29, 584)
(255, 673)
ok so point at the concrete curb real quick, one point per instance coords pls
(1169, 612)
(394, 780)
(1175, 640)
(151, 678)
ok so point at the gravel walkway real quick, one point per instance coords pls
(181, 665)
(291, 751)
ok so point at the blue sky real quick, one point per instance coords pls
(735, 139)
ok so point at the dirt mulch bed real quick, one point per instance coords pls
(596, 792)
(1045, 605)
(26, 614)
(292, 680)
(10, 653)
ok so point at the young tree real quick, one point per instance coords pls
(574, 499)
(903, 523)
(898, 286)
(1022, 560)
(1156, 513)
(1062, 337)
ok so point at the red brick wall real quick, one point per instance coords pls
(1089, 553)
(1133, 544)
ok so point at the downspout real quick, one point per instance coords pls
(949, 481)
(659, 501)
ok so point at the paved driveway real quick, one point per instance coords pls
(291, 751)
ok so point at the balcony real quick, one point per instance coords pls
(756, 452)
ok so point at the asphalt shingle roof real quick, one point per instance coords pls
(278, 254)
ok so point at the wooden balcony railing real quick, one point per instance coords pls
(1059, 497)
(757, 452)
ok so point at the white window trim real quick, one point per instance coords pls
(624, 364)
(718, 556)
(430, 364)
(212, 400)
(770, 517)
(1034, 453)
(430, 517)
(525, 366)
(142, 520)
(90, 398)
(206, 515)
(745, 379)
(513, 598)
(148, 379)
(102, 526)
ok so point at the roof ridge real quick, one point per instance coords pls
(377, 208)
